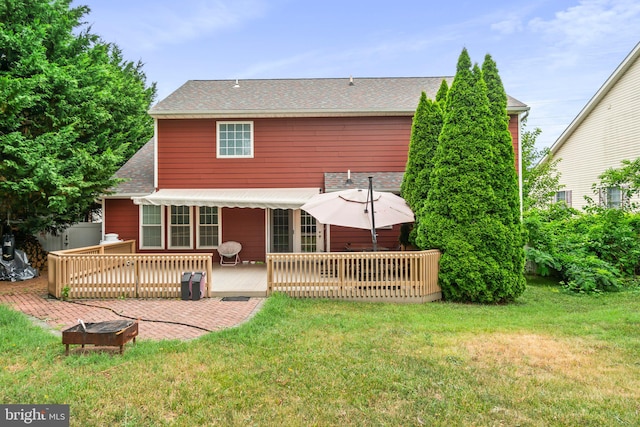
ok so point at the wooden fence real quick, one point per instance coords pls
(410, 276)
(114, 270)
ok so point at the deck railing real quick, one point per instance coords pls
(114, 270)
(410, 276)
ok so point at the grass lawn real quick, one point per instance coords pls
(548, 359)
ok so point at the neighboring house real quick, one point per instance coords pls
(604, 133)
(235, 160)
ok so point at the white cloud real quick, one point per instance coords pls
(164, 24)
(278, 67)
(591, 21)
(512, 24)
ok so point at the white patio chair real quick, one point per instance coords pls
(229, 253)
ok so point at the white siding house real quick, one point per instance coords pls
(604, 133)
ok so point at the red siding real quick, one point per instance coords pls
(288, 152)
(340, 236)
(121, 216)
(246, 226)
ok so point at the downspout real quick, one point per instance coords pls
(155, 154)
(520, 181)
(102, 210)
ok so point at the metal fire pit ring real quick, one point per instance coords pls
(114, 333)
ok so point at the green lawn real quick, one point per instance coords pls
(548, 359)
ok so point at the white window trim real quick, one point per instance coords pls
(220, 156)
(170, 225)
(162, 229)
(197, 214)
(297, 225)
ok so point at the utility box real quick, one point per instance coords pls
(198, 285)
(185, 286)
(193, 285)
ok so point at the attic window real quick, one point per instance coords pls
(234, 140)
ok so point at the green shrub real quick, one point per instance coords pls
(590, 274)
(597, 251)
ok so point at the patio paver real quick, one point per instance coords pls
(159, 318)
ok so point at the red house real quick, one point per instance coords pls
(235, 160)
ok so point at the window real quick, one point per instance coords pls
(151, 229)
(180, 227)
(612, 197)
(208, 227)
(281, 230)
(307, 232)
(564, 196)
(235, 139)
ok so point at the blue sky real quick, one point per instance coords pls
(552, 55)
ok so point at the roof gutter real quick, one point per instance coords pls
(246, 114)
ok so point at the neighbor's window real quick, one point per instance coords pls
(235, 139)
(564, 196)
(614, 197)
(180, 227)
(208, 227)
(151, 227)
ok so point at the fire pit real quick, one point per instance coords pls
(110, 333)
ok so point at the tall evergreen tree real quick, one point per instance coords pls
(72, 112)
(463, 213)
(441, 96)
(505, 177)
(427, 124)
(415, 159)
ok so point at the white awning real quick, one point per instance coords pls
(273, 198)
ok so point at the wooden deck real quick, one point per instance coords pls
(116, 271)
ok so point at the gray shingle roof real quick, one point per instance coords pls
(138, 172)
(302, 97)
(382, 181)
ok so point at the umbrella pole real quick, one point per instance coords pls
(374, 238)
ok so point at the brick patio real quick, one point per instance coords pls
(208, 314)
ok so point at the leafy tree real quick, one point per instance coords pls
(73, 111)
(540, 176)
(468, 215)
(626, 178)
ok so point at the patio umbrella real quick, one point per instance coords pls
(357, 208)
